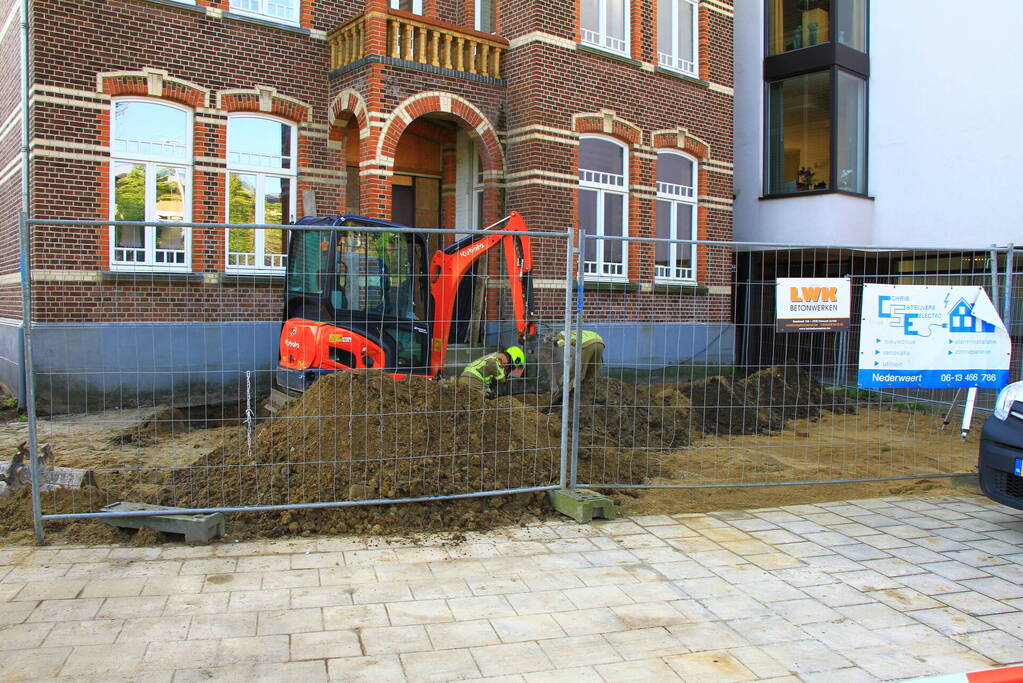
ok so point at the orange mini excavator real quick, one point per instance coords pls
(361, 294)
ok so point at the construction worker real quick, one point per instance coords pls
(589, 369)
(486, 373)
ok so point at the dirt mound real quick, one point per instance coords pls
(362, 436)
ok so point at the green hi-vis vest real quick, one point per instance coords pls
(587, 337)
(476, 367)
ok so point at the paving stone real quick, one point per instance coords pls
(553, 580)
(850, 675)
(530, 627)
(23, 636)
(805, 656)
(255, 601)
(200, 603)
(131, 607)
(715, 665)
(173, 585)
(40, 663)
(462, 634)
(837, 595)
(371, 669)
(589, 621)
(169, 655)
(804, 611)
(319, 596)
(283, 672)
(91, 632)
(875, 615)
(998, 646)
(254, 650)
(599, 596)
(713, 635)
(66, 610)
(903, 599)
(431, 667)
(510, 658)
(584, 674)
(931, 584)
(643, 670)
(1011, 623)
(290, 621)
(51, 590)
(354, 616)
(578, 651)
(212, 626)
(645, 643)
(418, 612)
(994, 587)
(482, 607)
(149, 629)
(94, 662)
(766, 630)
(975, 604)
(395, 639)
(759, 662)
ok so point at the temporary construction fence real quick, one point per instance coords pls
(154, 376)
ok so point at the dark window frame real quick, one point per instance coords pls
(831, 57)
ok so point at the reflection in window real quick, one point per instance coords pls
(676, 35)
(851, 24)
(799, 134)
(795, 24)
(151, 181)
(413, 6)
(603, 205)
(851, 124)
(604, 24)
(261, 190)
(676, 216)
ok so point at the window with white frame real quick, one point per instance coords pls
(604, 205)
(484, 17)
(676, 35)
(283, 11)
(413, 6)
(676, 217)
(605, 23)
(260, 189)
(150, 180)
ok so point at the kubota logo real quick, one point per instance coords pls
(802, 294)
(472, 250)
(291, 344)
(294, 331)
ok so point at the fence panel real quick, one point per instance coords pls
(156, 376)
(699, 389)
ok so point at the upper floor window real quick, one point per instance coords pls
(261, 190)
(413, 6)
(795, 24)
(604, 205)
(284, 11)
(676, 216)
(150, 180)
(605, 23)
(676, 34)
(484, 20)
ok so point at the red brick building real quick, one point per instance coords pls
(613, 115)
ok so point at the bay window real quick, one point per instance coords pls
(676, 217)
(605, 23)
(150, 178)
(604, 206)
(260, 189)
(676, 35)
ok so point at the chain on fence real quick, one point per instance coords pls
(699, 388)
(181, 388)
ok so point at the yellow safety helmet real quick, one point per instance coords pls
(518, 359)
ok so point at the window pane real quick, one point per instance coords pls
(129, 205)
(277, 200)
(258, 142)
(613, 225)
(171, 187)
(601, 155)
(683, 231)
(616, 20)
(589, 18)
(588, 220)
(242, 204)
(851, 24)
(685, 30)
(150, 129)
(675, 169)
(794, 24)
(664, 41)
(851, 124)
(661, 251)
(799, 130)
(485, 20)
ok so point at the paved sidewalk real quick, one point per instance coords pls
(849, 591)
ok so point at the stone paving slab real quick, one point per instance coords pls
(858, 590)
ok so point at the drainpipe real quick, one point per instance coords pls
(26, 284)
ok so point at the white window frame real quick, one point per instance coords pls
(477, 25)
(600, 38)
(417, 6)
(151, 162)
(264, 13)
(671, 60)
(604, 184)
(677, 195)
(262, 173)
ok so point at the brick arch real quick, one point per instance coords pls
(263, 100)
(682, 140)
(152, 83)
(607, 122)
(421, 104)
(347, 104)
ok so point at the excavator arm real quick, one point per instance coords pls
(449, 266)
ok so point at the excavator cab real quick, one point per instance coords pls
(354, 299)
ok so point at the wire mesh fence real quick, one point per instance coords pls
(220, 390)
(346, 362)
(700, 387)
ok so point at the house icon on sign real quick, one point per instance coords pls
(961, 319)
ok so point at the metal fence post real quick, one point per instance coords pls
(576, 392)
(994, 276)
(1010, 254)
(30, 394)
(567, 332)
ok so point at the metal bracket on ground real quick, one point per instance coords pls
(582, 505)
(197, 528)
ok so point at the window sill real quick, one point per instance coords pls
(682, 76)
(610, 285)
(187, 6)
(690, 288)
(610, 54)
(146, 275)
(239, 278)
(814, 193)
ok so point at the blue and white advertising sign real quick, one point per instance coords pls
(932, 337)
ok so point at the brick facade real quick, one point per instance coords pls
(525, 124)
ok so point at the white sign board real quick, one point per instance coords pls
(812, 304)
(931, 336)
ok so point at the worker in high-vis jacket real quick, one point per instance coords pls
(485, 374)
(592, 360)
